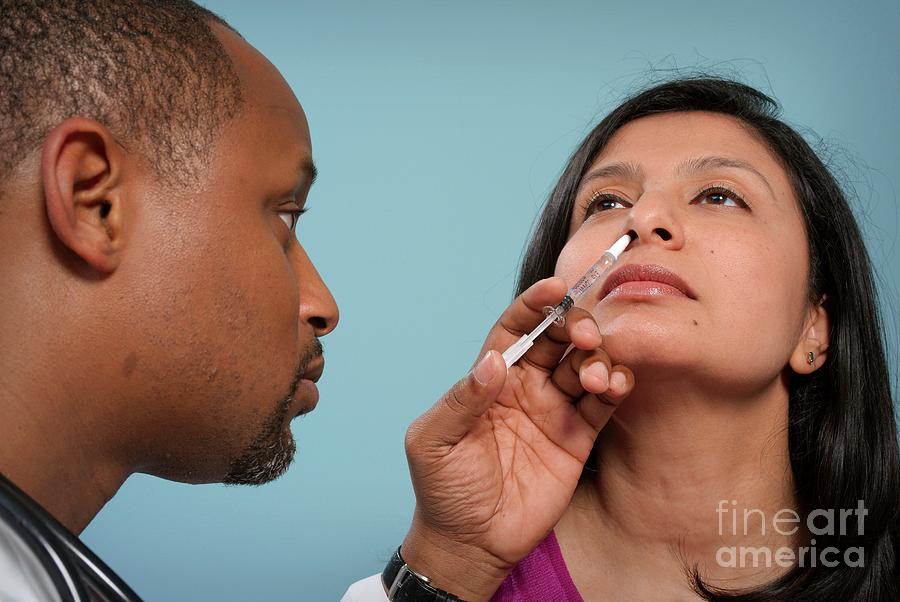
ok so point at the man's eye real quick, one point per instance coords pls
(720, 196)
(290, 218)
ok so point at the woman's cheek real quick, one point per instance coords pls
(574, 259)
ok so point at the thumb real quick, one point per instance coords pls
(457, 412)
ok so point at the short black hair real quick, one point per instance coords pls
(152, 71)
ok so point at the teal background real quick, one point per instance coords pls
(438, 129)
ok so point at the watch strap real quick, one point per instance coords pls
(405, 585)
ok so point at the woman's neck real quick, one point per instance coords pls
(680, 475)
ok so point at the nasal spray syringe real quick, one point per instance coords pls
(555, 315)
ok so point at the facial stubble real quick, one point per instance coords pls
(271, 452)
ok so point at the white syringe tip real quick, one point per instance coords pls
(620, 245)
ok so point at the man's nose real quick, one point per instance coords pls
(317, 306)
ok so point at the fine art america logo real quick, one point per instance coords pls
(786, 522)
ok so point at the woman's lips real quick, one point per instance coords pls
(636, 280)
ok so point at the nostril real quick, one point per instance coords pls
(663, 233)
(318, 323)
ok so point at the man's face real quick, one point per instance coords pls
(229, 325)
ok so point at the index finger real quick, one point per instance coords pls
(525, 313)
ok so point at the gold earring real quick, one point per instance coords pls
(810, 358)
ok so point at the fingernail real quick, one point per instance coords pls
(598, 370)
(617, 381)
(484, 371)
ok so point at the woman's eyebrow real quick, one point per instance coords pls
(624, 170)
(633, 171)
(699, 164)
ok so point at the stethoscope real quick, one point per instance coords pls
(77, 574)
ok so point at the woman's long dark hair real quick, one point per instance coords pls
(841, 430)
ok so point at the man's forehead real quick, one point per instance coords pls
(264, 89)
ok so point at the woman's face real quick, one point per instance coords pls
(710, 204)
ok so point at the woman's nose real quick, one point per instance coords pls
(654, 220)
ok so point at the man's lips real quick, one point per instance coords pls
(314, 369)
(656, 280)
(307, 385)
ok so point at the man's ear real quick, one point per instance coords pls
(812, 349)
(81, 167)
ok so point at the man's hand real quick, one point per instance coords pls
(495, 462)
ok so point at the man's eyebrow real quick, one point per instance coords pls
(306, 177)
(310, 170)
(699, 164)
(625, 170)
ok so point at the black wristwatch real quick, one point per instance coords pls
(405, 585)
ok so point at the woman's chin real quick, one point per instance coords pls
(637, 343)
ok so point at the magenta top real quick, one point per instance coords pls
(542, 575)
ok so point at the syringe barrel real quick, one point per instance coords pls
(594, 273)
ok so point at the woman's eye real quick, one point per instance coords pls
(720, 196)
(605, 202)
